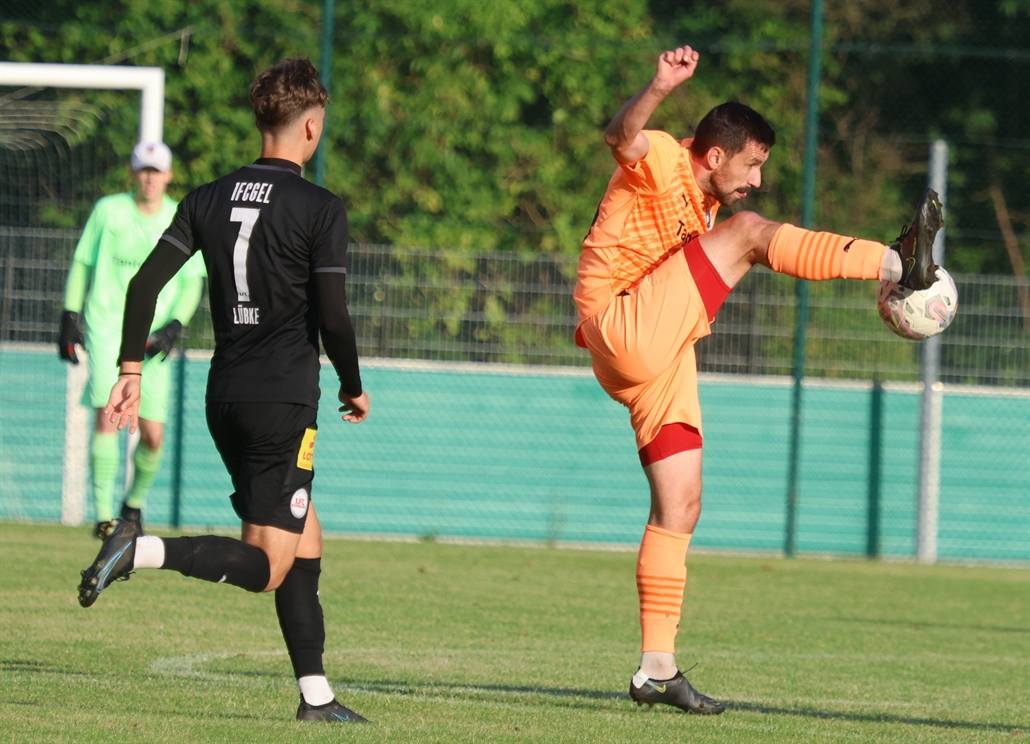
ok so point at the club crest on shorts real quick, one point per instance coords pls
(299, 503)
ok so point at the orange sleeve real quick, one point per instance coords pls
(652, 174)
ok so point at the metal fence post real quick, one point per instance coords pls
(875, 453)
(807, 218)
(931, 403)
(177, 437)
(793, 473)
(384, 319)
(328, 21)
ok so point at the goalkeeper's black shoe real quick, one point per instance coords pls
(331, 712)
(130, 516)
(113, 562)
(134, 517)
(915, 244)
(676, 692)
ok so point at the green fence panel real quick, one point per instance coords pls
(32, 393)
(746, 429)
(504, 453)
(985, 478)
(899, 473)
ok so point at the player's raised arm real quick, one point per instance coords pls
(140, 302)
(624, 134)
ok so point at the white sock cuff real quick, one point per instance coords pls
(891, 268)
(315, 690)
(657, 665)
(150, 552)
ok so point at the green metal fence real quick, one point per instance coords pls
(494, 452)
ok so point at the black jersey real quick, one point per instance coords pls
(264, 231)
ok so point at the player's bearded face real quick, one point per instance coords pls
(737, 175)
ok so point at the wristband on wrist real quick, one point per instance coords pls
(137, 374)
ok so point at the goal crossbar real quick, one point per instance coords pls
(149, 80)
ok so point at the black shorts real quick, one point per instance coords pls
(268, 449)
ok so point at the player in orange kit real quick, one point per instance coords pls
(652, 276)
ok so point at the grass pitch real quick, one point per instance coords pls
(491, 644)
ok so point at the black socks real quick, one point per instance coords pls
(224, 559)
(300, 616)
(219, 559)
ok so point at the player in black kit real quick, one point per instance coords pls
(275, 246)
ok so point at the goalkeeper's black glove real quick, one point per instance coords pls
(69, 336)
(163, 340)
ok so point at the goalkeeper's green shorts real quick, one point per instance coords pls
(103, 374)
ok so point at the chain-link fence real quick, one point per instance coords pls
(517, 309)
(484, 428)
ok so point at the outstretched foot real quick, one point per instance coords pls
(331, 712)
(113, 562)
(676, 692)
(915, 244)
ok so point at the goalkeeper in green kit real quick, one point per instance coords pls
(121, 232)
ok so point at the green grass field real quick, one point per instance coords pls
(454, 643)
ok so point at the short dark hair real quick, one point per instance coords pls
(284, 91)
(730, 126)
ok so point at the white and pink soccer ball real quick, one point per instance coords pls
(918, 314)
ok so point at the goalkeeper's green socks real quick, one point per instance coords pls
(148, 462)
(103, 457)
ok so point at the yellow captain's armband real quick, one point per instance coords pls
(306, 455)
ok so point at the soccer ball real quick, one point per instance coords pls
(918, 314)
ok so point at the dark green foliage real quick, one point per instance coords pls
(468, 127)
(475, 125)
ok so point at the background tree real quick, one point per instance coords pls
(477, 126)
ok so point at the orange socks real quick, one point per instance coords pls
(661, 579)
(820, 255)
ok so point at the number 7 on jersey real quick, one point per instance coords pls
(246, 218)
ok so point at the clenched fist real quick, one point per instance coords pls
(675, 67)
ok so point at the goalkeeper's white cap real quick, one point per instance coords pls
(154, 155)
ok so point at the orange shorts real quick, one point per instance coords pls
(642, 343)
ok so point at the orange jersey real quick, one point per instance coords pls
(650, 210)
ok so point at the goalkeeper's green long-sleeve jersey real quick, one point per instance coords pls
(115, 242)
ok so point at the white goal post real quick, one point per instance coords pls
(151, 82)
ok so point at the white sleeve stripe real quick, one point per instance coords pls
(330, 270)
(177, 243)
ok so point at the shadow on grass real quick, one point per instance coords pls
(918, 625)
(569, 696)
(867, 717)
(42, 667)
(559, 697)
(457, 690)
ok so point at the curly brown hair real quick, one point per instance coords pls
(729, 126)
(284, 91)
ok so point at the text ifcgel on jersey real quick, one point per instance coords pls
(251, 192)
